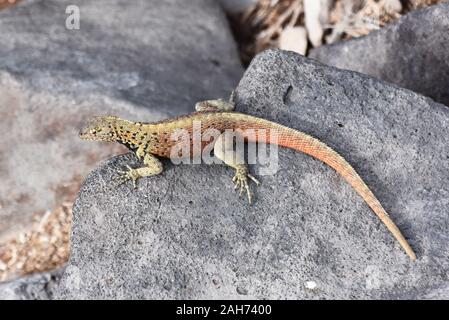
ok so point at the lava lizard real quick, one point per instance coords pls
(149, 140)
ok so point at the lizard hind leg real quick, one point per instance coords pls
(214, 106)
(225, 151)
(240, 180)
(152, 167)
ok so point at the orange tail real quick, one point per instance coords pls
(299, 141)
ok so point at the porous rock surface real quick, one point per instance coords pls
(40, 286)
(185, 234)
(412, 53)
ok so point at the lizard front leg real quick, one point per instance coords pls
(225, 151)
(152, 167)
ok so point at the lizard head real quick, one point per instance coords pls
(102, 128)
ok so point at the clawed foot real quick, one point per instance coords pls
(241, 181)
(124, 176)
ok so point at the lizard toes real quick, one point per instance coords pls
(256, 181)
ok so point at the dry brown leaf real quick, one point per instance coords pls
(294, 39)
(312, 13)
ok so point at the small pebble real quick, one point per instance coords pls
(311, 285)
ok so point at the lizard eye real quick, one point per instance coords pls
(93, 131)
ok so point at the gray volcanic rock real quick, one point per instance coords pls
(39, 286)
(185, 234)
(236, 6)
(143, 60)
(412, 53)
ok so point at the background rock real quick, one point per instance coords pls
(412, 53)
(236, 6)
(36, 287)
(185, 234)
(135, 60)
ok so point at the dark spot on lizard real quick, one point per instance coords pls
(129, 146)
